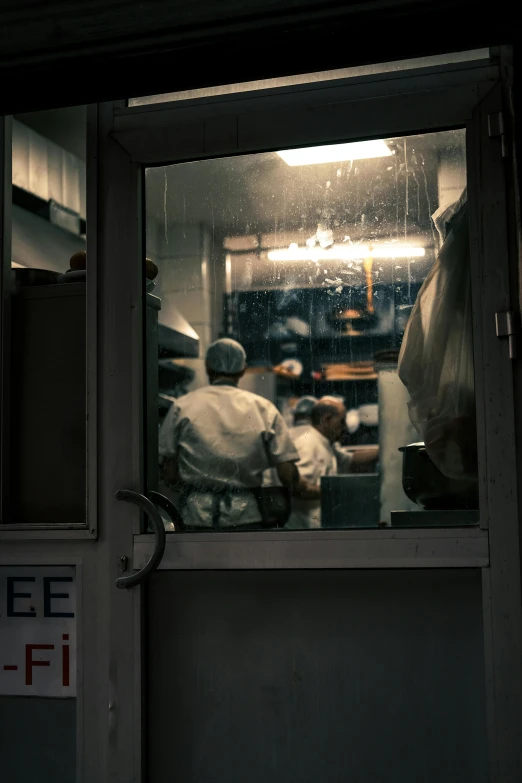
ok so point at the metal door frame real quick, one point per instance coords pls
(133, 138)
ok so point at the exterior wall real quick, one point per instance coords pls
(98, 44)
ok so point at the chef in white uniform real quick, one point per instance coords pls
(217, 441)
(302, 412)
(320, 455)
(301, 420)
(317, 458)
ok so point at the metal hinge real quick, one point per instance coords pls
(505, 323)
(496, 130)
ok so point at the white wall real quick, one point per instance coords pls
(186, 280)
(264, 384)
(43, 168)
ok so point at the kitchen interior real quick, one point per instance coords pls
(312, 259)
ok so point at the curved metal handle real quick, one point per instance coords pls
(159, 532)
(168, 506)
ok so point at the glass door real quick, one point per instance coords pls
(308, 229)
(312, 260)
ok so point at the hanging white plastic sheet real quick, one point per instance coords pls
(436, 358)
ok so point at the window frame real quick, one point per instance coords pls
(88, 529)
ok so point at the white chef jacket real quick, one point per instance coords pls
(298, 430)
(270, 477)
(316, 458)
(217, 436)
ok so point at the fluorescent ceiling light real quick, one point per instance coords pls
(345, 252)
(332, 153)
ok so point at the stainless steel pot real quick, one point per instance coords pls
(425, 485)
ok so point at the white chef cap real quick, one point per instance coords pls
(226, 356)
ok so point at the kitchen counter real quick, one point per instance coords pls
(435, 518)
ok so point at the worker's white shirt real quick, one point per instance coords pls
(217, 436)
(270, 477)
(298, 429)
(316, 459)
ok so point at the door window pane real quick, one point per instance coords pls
(314, 260)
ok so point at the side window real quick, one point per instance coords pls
(44, 416)
(343, 271)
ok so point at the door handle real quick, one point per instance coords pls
(153, 514)
(168, 506)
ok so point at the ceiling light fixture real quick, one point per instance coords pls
(345, 252)
(334, 153)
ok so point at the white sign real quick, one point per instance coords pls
(38, 631)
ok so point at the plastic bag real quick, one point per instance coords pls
(436, 357)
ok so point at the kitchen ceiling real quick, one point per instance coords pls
(260, 192)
